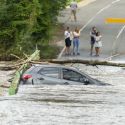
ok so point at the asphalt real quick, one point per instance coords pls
(93, 13)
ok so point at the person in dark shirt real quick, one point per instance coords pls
(93, 33)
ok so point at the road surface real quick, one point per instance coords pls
(94, 14)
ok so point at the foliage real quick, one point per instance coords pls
(25, 23)
(69, 1)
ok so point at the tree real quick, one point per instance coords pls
(25, 23)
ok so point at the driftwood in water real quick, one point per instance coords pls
(12, 66)
(56, 61)
(4, 86)
(6, 68)
(18, 64)
(88, 62)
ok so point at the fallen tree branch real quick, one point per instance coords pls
(16, 79)
(4, 86)
(26, 55)
(56, 61)
(88, 62)
(15, 56)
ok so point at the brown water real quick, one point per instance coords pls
(69, 105)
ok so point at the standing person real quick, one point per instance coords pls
(93, 33)
(76, 35)
(73, 7)
(98, 43)
(67, 34)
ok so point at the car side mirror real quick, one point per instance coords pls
(86, 81)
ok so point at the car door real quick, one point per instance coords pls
(49, 75)
(72, 77)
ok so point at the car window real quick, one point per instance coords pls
(50, 72)
(73, 75)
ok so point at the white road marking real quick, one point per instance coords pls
(59, 56)
(114, 44)
(110, 57)
(115, 1)
(120, 32)
(106, 7)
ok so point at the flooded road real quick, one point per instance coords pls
(69, 105)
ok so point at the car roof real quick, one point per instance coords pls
(53, 65)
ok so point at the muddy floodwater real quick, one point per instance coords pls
(69, 105)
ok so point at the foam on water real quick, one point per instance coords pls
(69, 105)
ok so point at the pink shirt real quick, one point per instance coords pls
(75, 34)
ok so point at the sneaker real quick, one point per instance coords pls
(78, 53)
(90, 54)
(66, 54)
(96, 55)
(73, 53)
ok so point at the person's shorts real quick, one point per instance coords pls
(92, 42)
(98, 44)
(73, 12)
(68, 42)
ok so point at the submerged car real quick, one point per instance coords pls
(56, 74)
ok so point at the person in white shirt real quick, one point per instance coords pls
(67, 35)
(76, 35)
(73, 7)
(98, 43)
